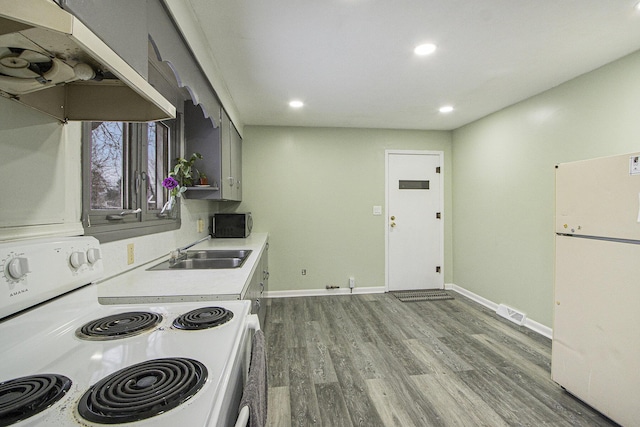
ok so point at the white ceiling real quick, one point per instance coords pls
(352, 61)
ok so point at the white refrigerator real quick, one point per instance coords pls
(596, 327)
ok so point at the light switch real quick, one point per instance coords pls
(634, 165)
(377, 210)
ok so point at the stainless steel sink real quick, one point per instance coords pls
(206, 260)
(199, 264)
(216, 254)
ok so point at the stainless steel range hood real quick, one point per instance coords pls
(52, 62)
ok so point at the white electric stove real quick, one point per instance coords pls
(71, 361)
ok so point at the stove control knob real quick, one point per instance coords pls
(77, 259)
(93, 255)
(17, 268)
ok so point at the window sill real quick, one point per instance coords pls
(107, 233)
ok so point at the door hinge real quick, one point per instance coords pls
(438, 269)
(437, 169)
(438, 215)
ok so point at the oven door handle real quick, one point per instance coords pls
(253, 322)
(243, 417)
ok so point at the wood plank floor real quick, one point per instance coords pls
(371, 360)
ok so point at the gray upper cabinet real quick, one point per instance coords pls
(144, 35)
(141, 33)
(217, 139)
(233, 182)
(122, 25)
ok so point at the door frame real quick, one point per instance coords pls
(387, 154)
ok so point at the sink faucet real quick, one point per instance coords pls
(174, 255)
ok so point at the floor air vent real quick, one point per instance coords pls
(425, 295)
(509, 313)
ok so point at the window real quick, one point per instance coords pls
(123, 168)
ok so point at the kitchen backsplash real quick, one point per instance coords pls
(148, 248)
(42, 189)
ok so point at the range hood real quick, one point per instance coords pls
(52, 62)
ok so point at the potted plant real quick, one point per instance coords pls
(182, 173)
(179, 179)
(202, 178)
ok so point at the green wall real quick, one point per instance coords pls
(313, 190)
(503, 180)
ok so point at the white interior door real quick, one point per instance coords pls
(414, 220)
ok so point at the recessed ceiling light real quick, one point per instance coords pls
(446, 109)
(296, 104)
(425, 49)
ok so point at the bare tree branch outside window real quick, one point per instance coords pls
(107, 165)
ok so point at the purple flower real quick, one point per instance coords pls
(169, 183)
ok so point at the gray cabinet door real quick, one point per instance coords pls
(231, 161)
(121, 24)
(236, 162)
(227, 185)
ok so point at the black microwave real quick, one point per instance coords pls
(229, 225)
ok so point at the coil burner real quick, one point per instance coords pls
(142, 391)
(203, 318)
(24, 397)
(121, 325)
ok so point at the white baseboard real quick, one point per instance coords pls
(475, 297)
(531, 324)
(324, 292)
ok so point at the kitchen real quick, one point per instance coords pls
(333, 176)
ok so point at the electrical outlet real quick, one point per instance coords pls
(200, 226)
(352, 282)
(130, 258)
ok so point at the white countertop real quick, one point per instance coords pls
(143, 286)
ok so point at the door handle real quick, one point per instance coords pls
(393, 218)
(393, 224)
